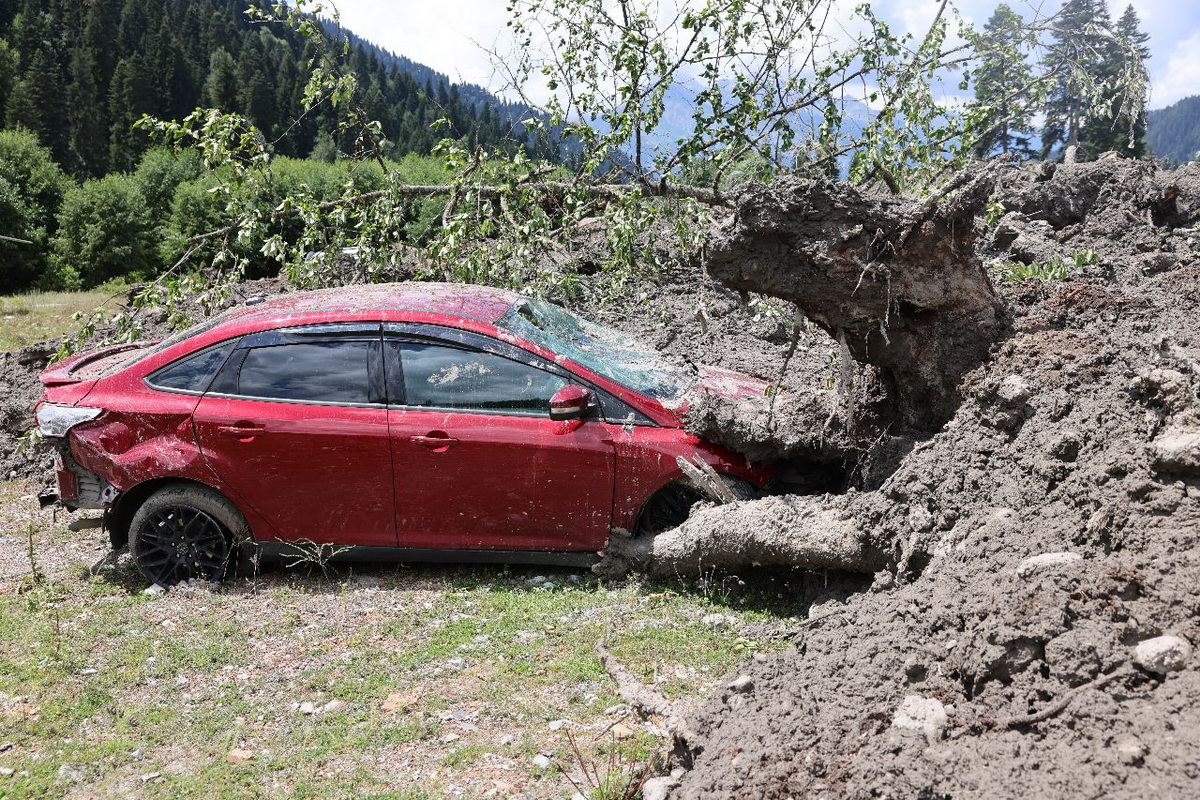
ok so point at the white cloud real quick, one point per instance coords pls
(451, 36)
(1181, 76)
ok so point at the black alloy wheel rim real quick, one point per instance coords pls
(181, 543)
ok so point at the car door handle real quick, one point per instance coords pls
(242, 430)
(433, 442)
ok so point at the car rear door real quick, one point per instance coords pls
(296, 425)
(479, 464)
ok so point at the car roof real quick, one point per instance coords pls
(454, 299)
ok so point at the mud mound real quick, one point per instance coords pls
(1034, 632)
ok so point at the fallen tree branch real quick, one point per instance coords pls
(1061, 703)
(599, 191)
(646, 700)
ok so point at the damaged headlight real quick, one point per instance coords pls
(55, 420)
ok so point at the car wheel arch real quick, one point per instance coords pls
(118, 518)
(682, 488)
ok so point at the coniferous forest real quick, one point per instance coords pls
(91, 198)
(78, 75)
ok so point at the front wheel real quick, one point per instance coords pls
(670, 506)
(186, 532)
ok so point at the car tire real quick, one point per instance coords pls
(671, 505)
(187, 532)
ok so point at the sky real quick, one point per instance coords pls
(452, 36)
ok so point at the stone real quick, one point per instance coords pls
(1162, 654)
(1131, 751)
(921, 715)
(1177, 451)
(541, 762)
(155, 591)
(1045, 562)
(307, 707)
(239, 756)
(334, 705)
(658, 788)
(1014, 390)
(742, 684)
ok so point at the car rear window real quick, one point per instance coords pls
(436, 376)
(319, 372)
(193, 373)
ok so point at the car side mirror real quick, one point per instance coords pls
(570, 402)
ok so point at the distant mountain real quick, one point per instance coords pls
(1174, 132)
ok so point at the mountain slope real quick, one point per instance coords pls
(1174, 131)
(80, 74)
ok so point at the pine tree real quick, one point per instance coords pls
(1130, 127)
(999, 88)
(1079, 35)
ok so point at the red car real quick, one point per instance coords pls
(416, 421)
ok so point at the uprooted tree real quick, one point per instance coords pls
(892, 275)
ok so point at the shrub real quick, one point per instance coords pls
(32, 187)
(105, 230)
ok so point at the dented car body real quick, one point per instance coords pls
(413, 421)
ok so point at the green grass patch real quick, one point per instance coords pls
(32, 317)
(106, 690)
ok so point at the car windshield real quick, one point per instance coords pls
(598, 348)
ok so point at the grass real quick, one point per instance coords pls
(33, 317)
(443, 679)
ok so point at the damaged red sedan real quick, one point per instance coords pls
(414, 421)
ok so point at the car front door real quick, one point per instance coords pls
(296, 425)
(479, 464)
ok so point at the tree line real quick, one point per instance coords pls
(1097, 108)
(80, 74)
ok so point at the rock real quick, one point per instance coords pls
(742, 684)
(307, 707)
(456, 663)
(334, 705)
(715, 620)
(1014, 390)
(239, 756)
(1131, 751)
(1177, 450)
(1046, 561)
(619, 708)
(1163, 654)
(155, 591)
(921, 715)
(541, 762)
(658, 788)
(621, 731)
(557, 725)
(71, 773)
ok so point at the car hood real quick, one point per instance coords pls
(718, 382)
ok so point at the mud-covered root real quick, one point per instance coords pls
(796, 531)
(643, 698)
(897, 281)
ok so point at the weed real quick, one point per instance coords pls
(306, 552)
(993, 213)
(1015, 271)
(618, 778)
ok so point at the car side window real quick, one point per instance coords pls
(438, 376)
(315, 372)
(192, 373)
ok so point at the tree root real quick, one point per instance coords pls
(646, 700)
(1061, 703)
(798, 531)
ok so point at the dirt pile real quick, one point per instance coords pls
(1034, 631)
